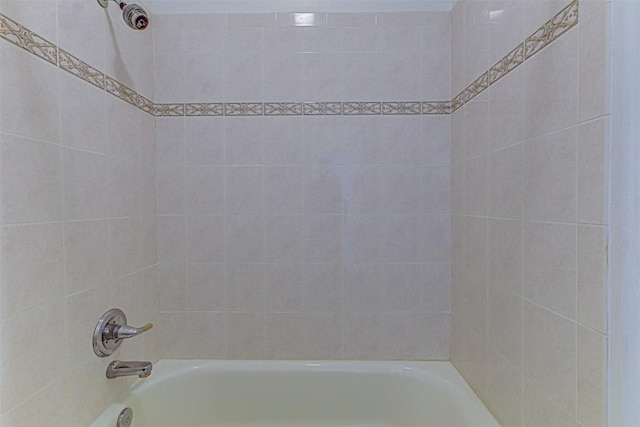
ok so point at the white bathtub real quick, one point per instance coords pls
(205, 393)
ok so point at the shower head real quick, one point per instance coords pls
(134, 15)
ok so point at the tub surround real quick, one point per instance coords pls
(529, 214)
(390, 298)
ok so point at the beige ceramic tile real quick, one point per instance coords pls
(549, 183)
(594, 64)
(506, 117)
(322, 287)
(171, 239)
(503, 393)
(550, 270)
(172, 287)
(206, 287)
(285, 334)
(505, 182)
(323, 336)
(474, 309)
(49, 406)
(551, 87)
(29, 106)
(31, 180)
(171, 191)
(82, 108)
(475, 186)
(539, 410)
(549, 362)
(505, 325)
(592, 378)
(592, 172)
(246, 336)
(87, 258)
(476, 126)
(206, 335)
(87, 42)
(592, 277)
(33, 266)
(86, 184)
(25, 370)
(284, 288)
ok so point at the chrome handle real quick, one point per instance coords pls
(119, 332)
(111, 329)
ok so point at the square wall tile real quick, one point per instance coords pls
(31, 180)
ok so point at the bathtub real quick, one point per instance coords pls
(205, 393)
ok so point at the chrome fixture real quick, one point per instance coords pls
(118, 368)
(111, 329)
(134, 15)
(125, 418)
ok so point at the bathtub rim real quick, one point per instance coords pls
(443, 371)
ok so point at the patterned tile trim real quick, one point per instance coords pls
(562, 22)
(361, 108)
(559, 24)
(28, 40)
(146, 105)
(168, 110)
(204, 109)
(282, 109)
(322, 109)
(402, 108)
(438, 107)
(243, 109)
(116, 88)
(506, 64)
(81, 69)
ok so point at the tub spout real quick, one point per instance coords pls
(118, 368)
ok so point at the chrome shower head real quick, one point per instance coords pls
(134, 15)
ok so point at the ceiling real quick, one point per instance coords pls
(234, 6)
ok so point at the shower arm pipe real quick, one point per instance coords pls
(121, 4)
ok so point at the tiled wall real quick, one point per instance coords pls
(323, 235)
(78, 207)
(529, 202)
(307, 237)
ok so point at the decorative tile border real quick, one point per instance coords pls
(170, 110)
(559, 24)
(322, 109)
(80, 69)
(361, 108)
(243, 109)
(26, 39)
(402, 108)
(204, 109)
(437, 107)
(562, 22)
(282, 109)
(506, 64)
(116, 88)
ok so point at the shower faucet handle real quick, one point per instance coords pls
(120, 332)
(111, 329)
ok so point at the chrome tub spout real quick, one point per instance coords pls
(119, 368)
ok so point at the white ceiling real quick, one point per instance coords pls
(232, 6)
